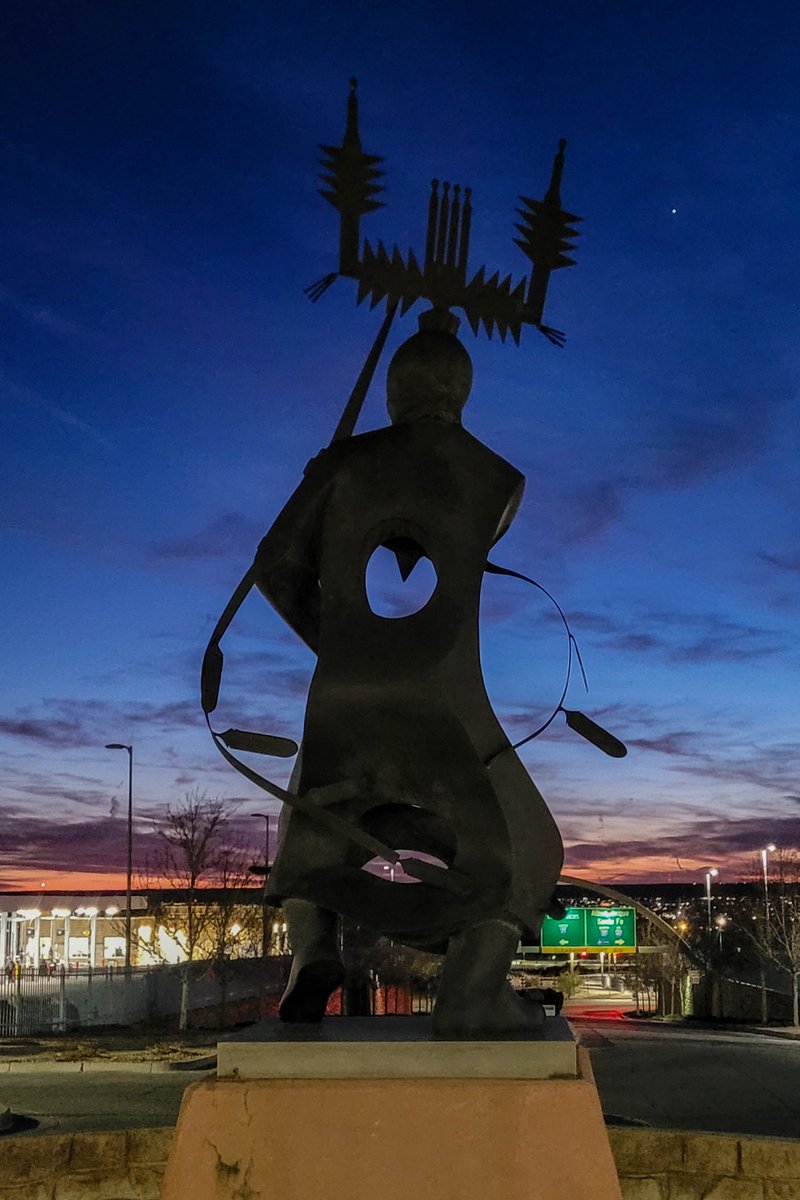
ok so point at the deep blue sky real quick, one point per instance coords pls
(164, 381)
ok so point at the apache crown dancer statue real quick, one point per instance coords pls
(402, 755)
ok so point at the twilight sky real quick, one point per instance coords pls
(164, 380)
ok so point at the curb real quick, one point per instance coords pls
(90, 1066)
(209, 1063)
(786, 1034)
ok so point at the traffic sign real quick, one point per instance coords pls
(568, 933)
(611, 929)
(591, 929)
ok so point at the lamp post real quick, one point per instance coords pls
(720, 923)
(762, 971)
(122, 746)
(710, 874)
(765, 853)
(264, 923)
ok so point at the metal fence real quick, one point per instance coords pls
(402, 999)
(33, 1003)
(30, 1002)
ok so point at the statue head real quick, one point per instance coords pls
(430, 375)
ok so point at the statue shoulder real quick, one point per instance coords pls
(489, 461)
(338, 454)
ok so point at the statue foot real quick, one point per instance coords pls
(478, 1018)
(310, 986)
(475, 998)
(317, 969)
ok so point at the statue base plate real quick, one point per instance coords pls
(434, 1137)
(391, 1048)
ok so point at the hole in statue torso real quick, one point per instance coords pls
(396, 872)
(388, 594)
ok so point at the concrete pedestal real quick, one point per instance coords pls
(429, 1131)
(390, 1048)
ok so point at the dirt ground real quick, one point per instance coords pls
(138, 1044)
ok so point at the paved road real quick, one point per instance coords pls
(677, 1078)
(658, 1075)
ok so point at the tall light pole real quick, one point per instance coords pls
(710, 874)
(762, 970)
(122, 746)
(765, 853)
(265, 817)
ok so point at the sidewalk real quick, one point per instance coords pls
(778, 1031)
(141, 1050)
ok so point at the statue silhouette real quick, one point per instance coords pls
(400, 739)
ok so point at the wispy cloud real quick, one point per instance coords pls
(784, 562)
(56, 732)
(565, 513)
(40, 842)
(43, 317)
(228, 536)
(683, 744)
(685, 637)
(705, 840)
(17, 393)
(772, 767)
(699, 436)
(717, 435)
(595, 508)
(80, 723)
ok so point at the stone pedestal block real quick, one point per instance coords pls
(390, 1048)
(429, 1135)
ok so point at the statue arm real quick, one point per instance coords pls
(287, 558)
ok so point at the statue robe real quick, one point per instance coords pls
(398, 706)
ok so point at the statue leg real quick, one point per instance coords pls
(317, 969)
(475, 998)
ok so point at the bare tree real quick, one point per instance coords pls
(775, 928)
(195, 880)
(191, 858)
(663, 974)
(229, 924)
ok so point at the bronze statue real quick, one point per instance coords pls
(402, 757)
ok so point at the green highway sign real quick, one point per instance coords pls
(611, 929)
(590, 929)
(568, 933)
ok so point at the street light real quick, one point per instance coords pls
(265, 817)
(122, 746)
(710, 874)
(720, 923)
(770, 849)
